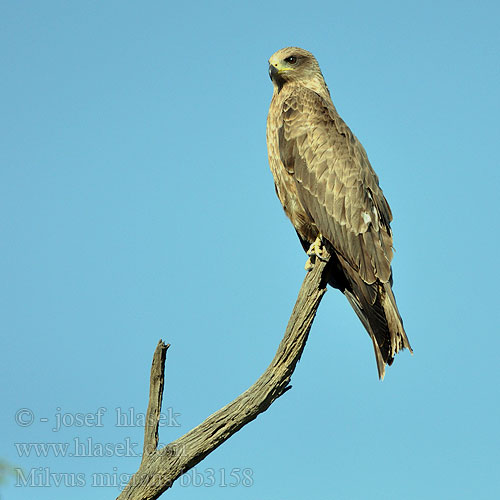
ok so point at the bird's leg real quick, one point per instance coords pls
(316, 250)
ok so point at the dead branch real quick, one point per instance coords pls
(157, 379)
(160, 468)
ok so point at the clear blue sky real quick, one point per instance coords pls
(137, 203)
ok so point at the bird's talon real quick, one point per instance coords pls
(317, 250)
(309, 265)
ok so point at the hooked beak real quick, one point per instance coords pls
(273, 71)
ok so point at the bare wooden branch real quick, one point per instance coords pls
(160, 468)
(155, 399)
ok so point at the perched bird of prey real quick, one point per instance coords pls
(331, 194)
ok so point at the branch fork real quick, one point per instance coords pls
(159, 468)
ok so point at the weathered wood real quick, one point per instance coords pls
(155, 398)
(160, 468)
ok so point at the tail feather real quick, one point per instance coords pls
(361, 315)
(399, 340)
(376, 307)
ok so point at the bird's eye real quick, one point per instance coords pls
(291, 60)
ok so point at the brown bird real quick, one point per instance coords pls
(332, 196)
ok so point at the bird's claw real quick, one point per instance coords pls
(309, 265)
(316, 250)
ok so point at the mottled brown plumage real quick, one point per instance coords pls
(327, 187)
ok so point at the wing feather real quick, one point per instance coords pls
(336, 183)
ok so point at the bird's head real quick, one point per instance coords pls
(293, 64)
